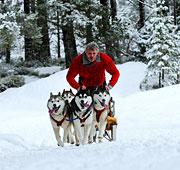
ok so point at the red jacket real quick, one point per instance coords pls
(92, 74)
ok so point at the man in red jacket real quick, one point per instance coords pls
(91, 66)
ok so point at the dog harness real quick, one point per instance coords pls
(59, 123)
(98, 114)
(82, 120)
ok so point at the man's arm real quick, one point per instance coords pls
(72, 73)
(111, 69)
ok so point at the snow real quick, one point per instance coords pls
(46, 70)
(148, 133)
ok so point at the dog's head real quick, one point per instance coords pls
(67, 95)
(83, 99)
(101, 97)
(55, 104)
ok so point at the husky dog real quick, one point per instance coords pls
(82, 106)
(101, 109)
(58, 111)
(68, 95)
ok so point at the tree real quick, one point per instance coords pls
(31, 31)
(113, 9)
(162, 50)
(68, 33)
(42, 22)
(8, 27)
(27, 39)
(105, 28)
(141, 14)
(89, 34)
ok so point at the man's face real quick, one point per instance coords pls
(91, 55)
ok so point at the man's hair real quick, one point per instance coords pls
(92, 46)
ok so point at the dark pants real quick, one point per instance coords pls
(92, 88)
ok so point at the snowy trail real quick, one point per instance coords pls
(148, 133)
(126, 153)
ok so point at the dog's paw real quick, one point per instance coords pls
(90, 142)
(61, 144)
(100, 139)
(77, 144)
(72, 142)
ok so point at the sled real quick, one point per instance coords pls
(110, 131)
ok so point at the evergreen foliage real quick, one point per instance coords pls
(135, 30)
(9, 30)
(162, 47)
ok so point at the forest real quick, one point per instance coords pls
(40, 33)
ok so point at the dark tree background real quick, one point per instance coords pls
(76, 23)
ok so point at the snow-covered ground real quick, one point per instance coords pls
(148, 133)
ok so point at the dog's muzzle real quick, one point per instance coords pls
(84, 104)
(103, 104)
(54, 110)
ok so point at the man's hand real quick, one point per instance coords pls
(82, 87)
(107, 88)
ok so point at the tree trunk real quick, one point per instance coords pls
(27, 43)
(58, 35)
(8, 55)
(106, 29)
(141, 23)
(141, 15)
(89, 34)
(69, 43)
(178, 11)
(175, 13)
(33, 6)
(44, 49)
(68, 36)
(113, 9)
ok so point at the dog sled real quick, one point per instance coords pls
(110, 131)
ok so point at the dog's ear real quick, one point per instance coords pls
(63, 90)
(71, 91)
(51, 94)
(59, 94)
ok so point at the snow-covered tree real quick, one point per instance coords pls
(162, 48)
(9, 29)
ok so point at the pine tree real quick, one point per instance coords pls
(162, 49)
(42, 22)
(8, 27)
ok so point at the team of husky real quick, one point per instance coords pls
(79, 115)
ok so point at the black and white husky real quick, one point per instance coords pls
(82, 106)
(59, 113)
(101, 109)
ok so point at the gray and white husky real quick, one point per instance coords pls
(101, 109)
(59, 113)
(82, 106)
(67, 95)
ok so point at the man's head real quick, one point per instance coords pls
(91, 51)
